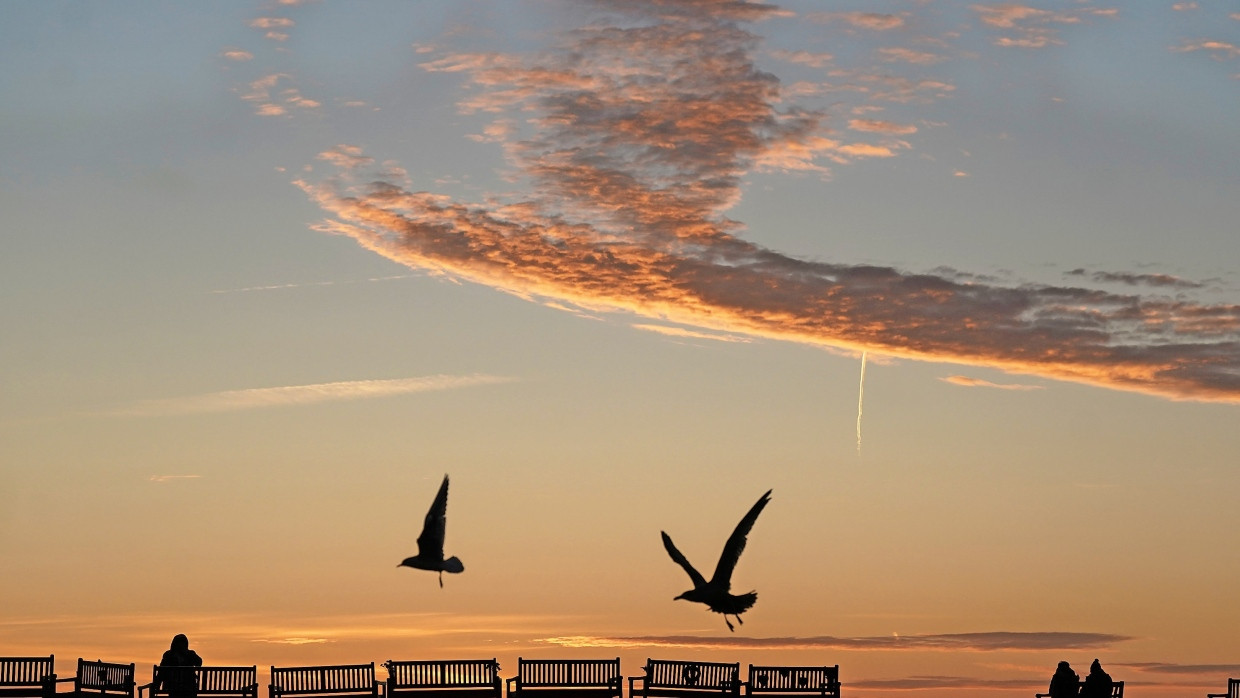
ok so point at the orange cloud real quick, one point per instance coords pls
(688, 334)
(979, 383)
(874, 126)
(1221, 49)
(1032, 26)
(956, 642)
(862, 20)
(271, 23)
(284, 396)
(641, 133)
(906, 55)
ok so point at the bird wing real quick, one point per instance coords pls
(430, 543)
(736, 544)
(679, 558)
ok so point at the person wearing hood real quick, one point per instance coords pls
(1065, 683)
(177, 678)
(1098, 683)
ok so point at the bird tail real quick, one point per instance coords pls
(743, 602)
(453, 565)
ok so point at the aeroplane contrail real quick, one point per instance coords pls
(860, 401)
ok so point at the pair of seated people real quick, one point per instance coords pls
(1066, 684)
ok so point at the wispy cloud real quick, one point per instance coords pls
(876, 126)
(236, 54)
(642, 132)
(1220, 49)
(280, 287)
(1032, 27)
(172, 478)
(908, 55)
(1130, 279)
(272, 23)
(1184, 669)
(979, 383)
(861, 20)
(689, 334)
(917, 683)
(974, 642)
(287, 396)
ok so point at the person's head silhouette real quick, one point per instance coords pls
(180, 643)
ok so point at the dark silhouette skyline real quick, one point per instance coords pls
(716, 593)
(430, 542)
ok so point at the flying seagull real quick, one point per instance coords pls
(430, 543)
(716, 593)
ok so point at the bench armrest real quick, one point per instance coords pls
(633, 690)
(510, 682)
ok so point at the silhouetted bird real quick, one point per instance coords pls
(430, 543)
(716, 593)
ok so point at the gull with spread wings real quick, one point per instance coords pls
(716, 593)
(430, 543)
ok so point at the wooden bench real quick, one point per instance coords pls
(336, 680)
(103, 679)
(675, 679)
(579, 678)
(454, 678)
(1233, 690)
(793, 681)
(27, 677)
(1117, 690)
(216, 681)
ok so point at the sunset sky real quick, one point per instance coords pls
(958, 281)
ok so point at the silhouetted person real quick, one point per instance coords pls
(1097, 683)
(430, 543)
(716, 593)
(177, 677)
(1065, 683)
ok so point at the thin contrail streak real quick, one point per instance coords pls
(860, 401)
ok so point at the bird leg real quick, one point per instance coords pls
(440, 579)
(738, 618)
(725, 620)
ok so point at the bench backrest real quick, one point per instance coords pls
(703, 676)
(324, 680)
(1233, 688)
(104, 678)
(565, 673)
(452, 673)
(211, 680)
(792, 679)
(25, 673)
(27, 677)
